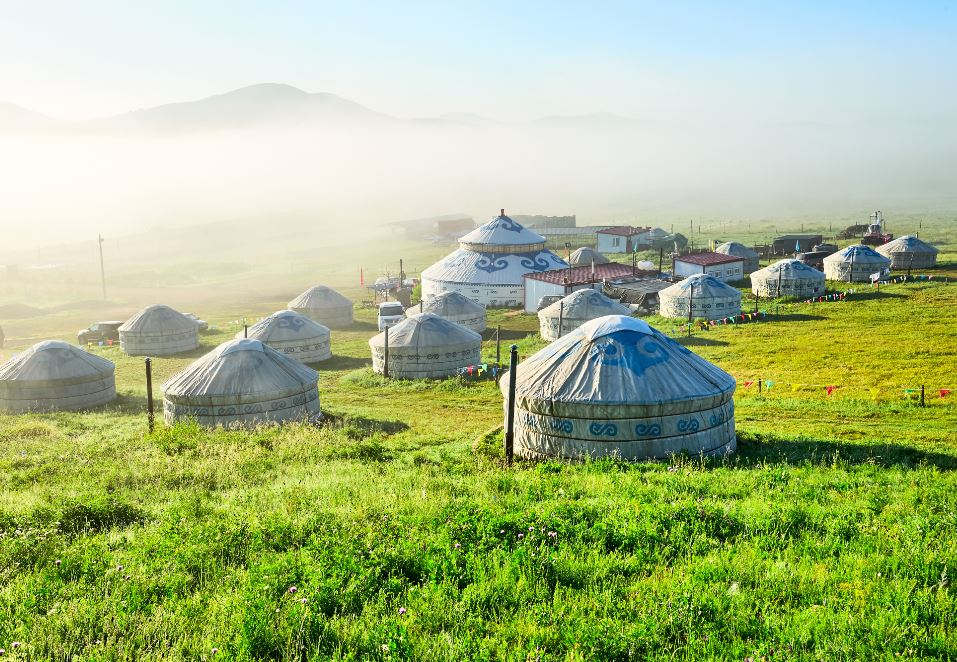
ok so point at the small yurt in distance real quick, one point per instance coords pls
(158, 331)
(242, 382)
(55, 376)
(574, 310)
(324, 305)
(617, 387)
(735, 249)
(855, 264)
(909, 252)
(426, 346)
(293, 334)
(787, 278)
(455, 307)
(585, 256)
(706, 297)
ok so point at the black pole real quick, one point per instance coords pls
(661, 257)
(102, 269)
(921, 395)
(385, 366)
(561, 317)
(510, 407)
(150, 418)
(498, 345)
(759, 385)
(245, 330)
(401, 274)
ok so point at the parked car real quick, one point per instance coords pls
(203, 324)
(390, 314)
(100, 332)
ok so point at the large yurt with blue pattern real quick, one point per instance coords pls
(489, 264)
(293, 334)
(240, 383)
(617, 387)
(570, 312)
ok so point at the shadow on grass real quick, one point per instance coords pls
(872, 294)
(507, 334)
(362, 426)
(698, 341)
(343, 363)
(795, 317)
(359, 325)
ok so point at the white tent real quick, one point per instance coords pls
(489, 264)
(294, 335)
(617, 387)
(242, 382)
(574, 310)
(324, 305)
(909, 252)
(705, 295)
(734, 249)
(53, 376)
(455, 307)
(855, 264)
(426, 346)
(787, 278)
(158, 331)
(585, 256)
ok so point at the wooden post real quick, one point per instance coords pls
(385, 366)
(150, 419)
(760, 382)
(510, 407)
(661, 257)
(561, 317)
(921, 395)
(498, 345)
(245, 330)
(102, 269)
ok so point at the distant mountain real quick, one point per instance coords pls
(589, 120)
(15, 118)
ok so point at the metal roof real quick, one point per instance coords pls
(623, 230)
(708, 259)
(583, 274)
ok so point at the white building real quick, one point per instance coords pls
(622, 239)
(723, 267)
(560, 282)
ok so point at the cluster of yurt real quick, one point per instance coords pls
(158, 331)
(703, 295)
(455, 307)
(787, 278)
(425, 346)
(324, 305)
(570, 312)
(735, 249)
(490, 262)
(293, 334)
(242, 382)
(585, 256)
(909, 252)
(617, 387)
(855, 264)
(55, 376)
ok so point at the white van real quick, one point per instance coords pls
(390, 314)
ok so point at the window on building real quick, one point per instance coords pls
(616, 242)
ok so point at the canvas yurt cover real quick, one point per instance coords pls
(909, 252)
(617, 387)
(735, 249)
(242, 382)
(787, 278)
(158, 331)
(455, 307)
(705, 295)
(585, 256)
(294, 335)
(324, 305)
(855, 264)
(489, 264)
(576, 309)
(55, 376)
(426, 346)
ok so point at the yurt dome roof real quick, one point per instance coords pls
(425, 330)
(240, 367)
(502, 230)
(619, 362)
(584, 304)
(468, 266)
(320, 296)
(286, 325)
(907, 244)
(449, 304)
(705, 286)
(52, 360)
(158, 319)
(858, 254)
(736, 249)
(790, 268)
(585, 256)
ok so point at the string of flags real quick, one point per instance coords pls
(937, 278)
(908, 393)
(479, 370)
(836, 296)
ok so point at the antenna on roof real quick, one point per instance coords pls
(503, 211)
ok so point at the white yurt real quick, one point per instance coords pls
(576, 309)
(242, 382)
(455, 307)
(736, 249)
(426, 346)
(909, 252)
(706, 296)
(585, 256)
(489, 264)
(855, 264)
(158, 331)
(293, 334)
(617, 387)
(55, 376)
(787, 278)
(324, 305)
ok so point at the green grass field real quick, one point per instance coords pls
(829, 535)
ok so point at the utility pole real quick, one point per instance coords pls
(102, 270)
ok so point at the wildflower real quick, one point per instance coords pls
(292, 590)
(672, 469)
(531, 528)
(502, 531)
(458, 546)
(552, 534)
(14, 644)
(98, 642)
(58, 562)
(215, 650)
(2, 652)
(304, 600)
(401, 611)
(119, 568)
(521, 535)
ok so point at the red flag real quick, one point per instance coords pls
(362, 280)
(830, 389)
(944, 391)
(748, 383)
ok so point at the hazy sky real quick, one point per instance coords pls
(806, 61)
